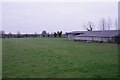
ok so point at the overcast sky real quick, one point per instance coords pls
(30, 17)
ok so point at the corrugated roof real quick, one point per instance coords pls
(107, 33)
(74, 32)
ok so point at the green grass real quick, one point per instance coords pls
(58, 58)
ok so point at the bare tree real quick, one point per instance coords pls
(89, 27)
(44, 34)
(103, 24)
(55, 34)
(48, 35)
(18, 34)
(58, 33)
(116, 24)
(84, 26)
(109, 23)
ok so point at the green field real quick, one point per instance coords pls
(58, 58)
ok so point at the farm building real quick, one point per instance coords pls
(71, 35)
(111, 36)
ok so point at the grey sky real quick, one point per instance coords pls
(33, 17)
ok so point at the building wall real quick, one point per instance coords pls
(70, 37)
(93, 39)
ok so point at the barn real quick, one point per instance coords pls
(71, 35)
(111, 36)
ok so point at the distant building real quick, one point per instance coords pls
(111, 36)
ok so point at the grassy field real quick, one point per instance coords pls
(58, 58)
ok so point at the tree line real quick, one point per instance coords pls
(56, 34)
(19, 35)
